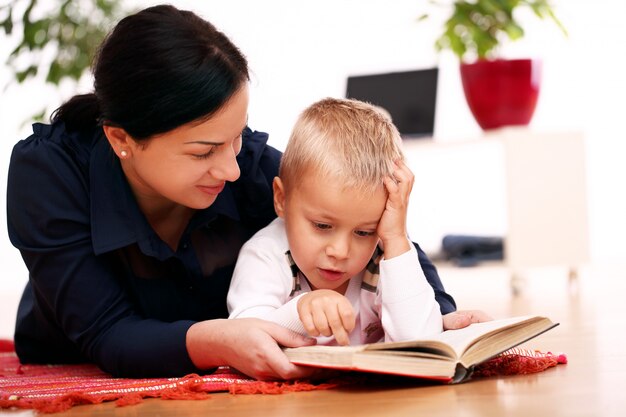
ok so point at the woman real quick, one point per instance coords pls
(130, 209)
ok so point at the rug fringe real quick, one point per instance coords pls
(188, 388)
(272, 388)
(519, 362)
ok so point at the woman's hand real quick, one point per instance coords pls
(463, 318)
(326, 312)
(251, 346)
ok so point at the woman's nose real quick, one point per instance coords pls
(226, 167)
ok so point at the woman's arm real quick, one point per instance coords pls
(77, 294)
(445, 300)
(249, 345)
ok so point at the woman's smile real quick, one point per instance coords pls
(212, 189)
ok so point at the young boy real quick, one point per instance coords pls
(337, 263)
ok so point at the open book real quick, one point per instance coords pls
(449, 356)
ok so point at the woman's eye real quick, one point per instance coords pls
(363, 233)
(238, 144)
(204, 155)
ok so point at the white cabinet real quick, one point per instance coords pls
(538, 177)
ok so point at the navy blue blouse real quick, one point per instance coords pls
(103, 287)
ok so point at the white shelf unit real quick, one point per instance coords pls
(543, 177)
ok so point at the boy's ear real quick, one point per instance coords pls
(120, 140)
(279, 196)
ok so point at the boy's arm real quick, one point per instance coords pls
(392, 231)
(261, 286)
(408, 306)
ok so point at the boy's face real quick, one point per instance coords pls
(331, 230)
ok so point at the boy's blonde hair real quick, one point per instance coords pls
(349, 140)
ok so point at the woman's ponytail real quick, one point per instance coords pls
(81, 112)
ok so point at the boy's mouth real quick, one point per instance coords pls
(331, 275)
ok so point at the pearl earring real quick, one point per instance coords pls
(123, 154)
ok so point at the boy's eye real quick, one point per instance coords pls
(363, 233)
(321, 226)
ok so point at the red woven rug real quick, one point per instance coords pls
(54, 388)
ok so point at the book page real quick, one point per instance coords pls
(496, 342)
(453, 343)
(461, 339)
(320, 355)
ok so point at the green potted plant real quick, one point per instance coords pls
(500, 92)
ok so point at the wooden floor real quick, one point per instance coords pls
(592, 333)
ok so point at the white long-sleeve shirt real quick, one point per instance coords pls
(401, 306)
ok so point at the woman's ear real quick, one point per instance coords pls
(279, 197)
(120, 141)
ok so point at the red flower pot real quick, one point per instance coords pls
(502, 92)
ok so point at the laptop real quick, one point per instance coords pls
(409, 97)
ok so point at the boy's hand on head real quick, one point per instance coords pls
(327, 313)
(392, 226)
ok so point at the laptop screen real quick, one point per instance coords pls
(409, 97)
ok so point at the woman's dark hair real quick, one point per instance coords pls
(158, 69)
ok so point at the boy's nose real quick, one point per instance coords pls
(338, 248)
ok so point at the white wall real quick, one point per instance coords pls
(300, 51)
